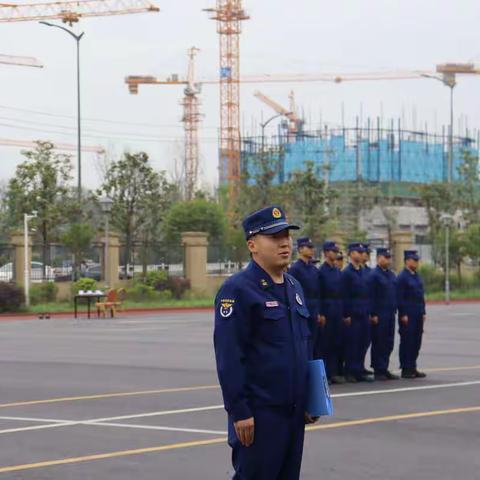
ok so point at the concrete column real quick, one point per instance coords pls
(113, 259)
(195, 259)
(401, 240)
(18, 242)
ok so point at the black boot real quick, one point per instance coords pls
(419, 374)
(391, 376)
(409, 373)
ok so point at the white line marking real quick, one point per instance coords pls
(98, 421)
(405, 389)
(155, 414)
(28, 419)
(155, 427)
(38, 427)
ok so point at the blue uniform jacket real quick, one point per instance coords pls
(262, 346)
(329, 279)
(410, 294)
(382, 293)
(307, 275)
(354, 292)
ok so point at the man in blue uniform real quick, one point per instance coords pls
(366, 257)
(355, 313)
(331, 313)
(411, 314)
(340, 261)
(262, 349)
(382, 295)
(305, 271)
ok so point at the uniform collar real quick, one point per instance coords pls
(260, 276)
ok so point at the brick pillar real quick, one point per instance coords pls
(18, 242)
(195, 259)
(400, 241)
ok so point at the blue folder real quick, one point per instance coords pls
(319, 401)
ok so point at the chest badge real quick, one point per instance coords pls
(298, 299)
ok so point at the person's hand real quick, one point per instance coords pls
(245, 430)
(404, 319)
(374, 319)
(347, 321)
(322, 320)
(309, 419)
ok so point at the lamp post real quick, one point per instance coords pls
(447, 221)
(106, 204)
(26, 270)
(79, 140)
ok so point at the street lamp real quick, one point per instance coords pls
(79, 141)
(448, 79)
(447, 221)
(26, 259)
(106, 204)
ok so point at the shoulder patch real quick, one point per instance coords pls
(226, 307)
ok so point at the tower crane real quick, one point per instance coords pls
(20, 61)
(229, 15)
(71, 11)
(191, 115)
(8, 142)
(295, 124)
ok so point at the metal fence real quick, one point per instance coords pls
(7, 263)
(144, 258)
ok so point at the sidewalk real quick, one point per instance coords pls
(149, 311)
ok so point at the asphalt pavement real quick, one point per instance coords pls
(136, 398)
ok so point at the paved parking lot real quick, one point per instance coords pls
(137, 398)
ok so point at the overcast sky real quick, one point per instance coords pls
(305, 36)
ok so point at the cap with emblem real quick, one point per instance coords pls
(330, 247)
(267, 221)
(413, 254)
(356, 247)
(384, 252)
(304, 242)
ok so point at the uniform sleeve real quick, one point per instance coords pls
(321, 293)
(231, 336)
(344, 293)
(401, 290)
(371, 283)
(424, 312)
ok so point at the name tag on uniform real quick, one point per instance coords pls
(271, 304)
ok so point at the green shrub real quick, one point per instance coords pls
(43, 293)
(141, 293)
(84, 284)
(11, 297)
(157, 279)
(433, 278)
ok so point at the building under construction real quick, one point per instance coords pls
(369, 154)
(371, 166)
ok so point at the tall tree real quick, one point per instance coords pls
(140, 195)
(78, 238)
(41, 184)
(307, 200)
(198, 215)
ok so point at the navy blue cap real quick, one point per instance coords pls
(366, 247)
(356, 247)
(413, 254)
(330, 246)
(304, 242)
(267, 221)
(384, 252)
